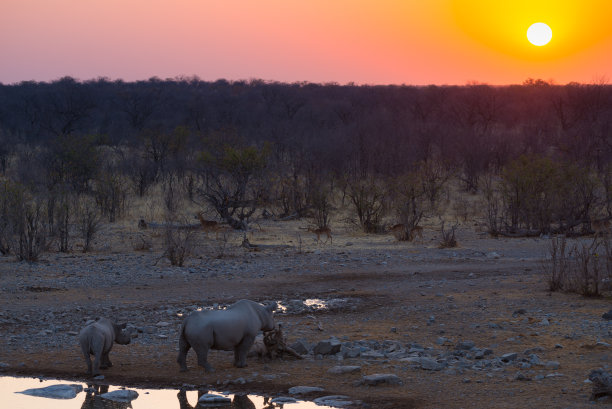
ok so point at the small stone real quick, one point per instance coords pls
(553, 365)
(465, 345)
(339, 370)
(520, 377)
(607, 315)
(509, 357)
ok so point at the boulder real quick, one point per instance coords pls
(61, 391)
(301, 347)
(121, 395)
(327, 347)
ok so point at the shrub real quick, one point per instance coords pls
(367, 197)
(178, 242)
(583, 269)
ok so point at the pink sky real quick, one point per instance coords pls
(374, 42)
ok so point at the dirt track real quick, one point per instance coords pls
(488, 291)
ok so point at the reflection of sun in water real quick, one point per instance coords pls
(539, 34)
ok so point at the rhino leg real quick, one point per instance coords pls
(202, 353)
(182, 355)
(96, 363)
(241, 350)
(85, 350)
(106, 362)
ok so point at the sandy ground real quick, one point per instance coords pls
(492, 292)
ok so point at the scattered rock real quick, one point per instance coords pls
(607, 315)
(377, 379)
(339, 370)
(520, 377)
(553, 365)
(465, 345)
(426, 363)
(509, 357)
(55, 391)
(302, 390)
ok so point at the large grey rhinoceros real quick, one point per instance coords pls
(234, 328)
(97, 339)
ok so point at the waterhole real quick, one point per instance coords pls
(78, 395)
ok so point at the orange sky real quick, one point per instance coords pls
(373, 42)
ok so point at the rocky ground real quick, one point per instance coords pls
(387, 324)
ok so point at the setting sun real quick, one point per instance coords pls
(539, 34)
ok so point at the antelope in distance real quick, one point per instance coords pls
(416, 231)
(600, 227)
(209, 225)
(402, 233)
(320, 231)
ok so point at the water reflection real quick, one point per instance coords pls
(93, 400)
(240, 401)
(147, 398)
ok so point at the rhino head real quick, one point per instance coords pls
(268, 317)
(122, 337)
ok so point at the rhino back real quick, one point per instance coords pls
(223, 329)
(99, 334)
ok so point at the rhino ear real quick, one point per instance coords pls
(271, 307)
(122, 326)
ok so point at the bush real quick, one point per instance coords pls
(583, 269)
(368, 199)
(544, 196)
(409, 203)
(88, 221)
(110, 194)
(22, 228)
(178, 242)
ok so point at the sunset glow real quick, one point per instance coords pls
(389, 41)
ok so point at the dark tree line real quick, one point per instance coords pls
(237, 145)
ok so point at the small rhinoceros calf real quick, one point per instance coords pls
(233, 329)
(97, 339)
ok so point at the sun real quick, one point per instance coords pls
(539, 34)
